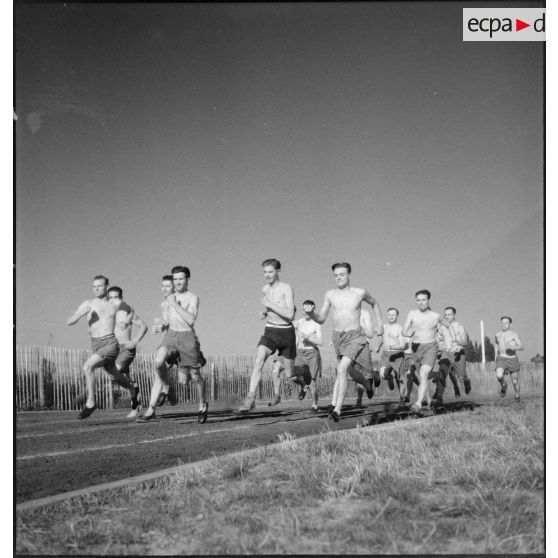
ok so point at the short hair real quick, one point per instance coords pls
(166, 278)
(450, 308)
(392, 308)
(424, 292)
(181, 269)
(276, 264)
(341, 264)
(97, 277)
(116, 290)
(506, 318)
(308, 301)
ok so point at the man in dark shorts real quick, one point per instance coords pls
(349, 339)
(393, 345)
(507, 362)
(180, 312)
(126, 345)
(279, 334)
(101, 317)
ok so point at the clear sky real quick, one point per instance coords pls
(215, 136)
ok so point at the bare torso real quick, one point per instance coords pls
(506, 342)
(425, 325)
(189, 302)
(101, 317)
(309, 327)
(345, 307)
(277, 293)
(393, 336)
(122, 335)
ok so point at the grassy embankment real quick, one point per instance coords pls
(469, 482)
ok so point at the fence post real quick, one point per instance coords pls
(41, 380)
(213, 383)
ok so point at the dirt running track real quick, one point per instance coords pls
(57, 453)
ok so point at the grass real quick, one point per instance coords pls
(470, 482)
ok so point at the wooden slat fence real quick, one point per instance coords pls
(52, 378)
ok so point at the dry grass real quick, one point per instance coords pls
(468, 482)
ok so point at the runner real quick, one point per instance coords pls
(349, 338)
(374, 344)
(279, 334)
(452, 359)
(392, 351)
(180, 310)
(308, 360)
(126, 345)
(101, 318)
(422, 325)
(507, 362)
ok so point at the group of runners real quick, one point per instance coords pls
(428, 347)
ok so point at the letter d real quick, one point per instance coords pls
(536, 25)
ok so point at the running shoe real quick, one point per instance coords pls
(467, 384)
(315, 410)
(457, 392)
(415, 409)
(370, 392)
(303, 390)
(377, 381)
(391, 385)
(503, 390)
(134, 412)
(134, 402)
(335, 416)
(248, 404)
(202, 415)
(147, 416)
(86, 411)
(161, 400)
(330, 410)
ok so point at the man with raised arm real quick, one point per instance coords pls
(422, 325)
(507, 362)
(180, 310)
(349, 338)
(126, 345)
(279, 334)
(101, 318)
(308, 359)
(452, 360)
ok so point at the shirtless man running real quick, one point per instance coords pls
(180, 311)
(127, 345)
(101, 318)
(422, 325)
(349, 339)
(507, 343)
(370, 375)
(393, 345)
(279, 334)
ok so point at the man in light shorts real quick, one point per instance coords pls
(507, 343)
(393, 345)
(279, 334)
(308, 361)
(422, 324)
(349, 339)
(180, 312)
(126, 345)
(101, 318)
(452, 359)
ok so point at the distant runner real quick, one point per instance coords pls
(507, 362)
(349, 338)
(374, 344)
(101, 318)
(279, 334)
(392, 350)
(180, 311)
(126, 345)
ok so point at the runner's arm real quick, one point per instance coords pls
(518, 344)
(142, 326)
(406, 330)
(188, 316)
(316, 337)
(321, 317)
(82, 310)
(377, 312)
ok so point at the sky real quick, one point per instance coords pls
(216, 136)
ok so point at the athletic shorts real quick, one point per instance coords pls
(184, 347)
(457, 361)
(392, 359)
(105, 347)
(310, 359)
(423, 353)
(125, 357)
(509, 364)
(281, 339)
(353, 344)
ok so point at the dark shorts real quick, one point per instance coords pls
(184, 349)
(125, 358)
(423, 353)
(392, 359)
(456, 361)
(354, 345)
(281, 339)
(311, 360)
(509, 364)
(105, 347)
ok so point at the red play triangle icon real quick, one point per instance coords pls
(519, 25)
